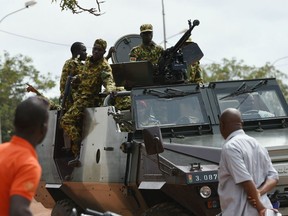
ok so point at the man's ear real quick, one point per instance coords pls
(44, 128)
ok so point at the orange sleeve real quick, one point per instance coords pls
(26, 179)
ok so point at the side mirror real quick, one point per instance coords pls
(153, 140)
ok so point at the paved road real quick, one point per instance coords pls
(38, 209)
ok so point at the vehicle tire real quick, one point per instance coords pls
(167, 209)
(64, 208)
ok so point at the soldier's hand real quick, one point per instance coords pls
(111, 50)
(31, 89)
(75, 79)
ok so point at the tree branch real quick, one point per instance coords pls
(76, 8)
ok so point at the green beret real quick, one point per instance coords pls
(146, 28)
(101, 42)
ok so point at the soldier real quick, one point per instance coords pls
(246, 103)
(72, 67)
(193, 71)
(52, 105)
(110, 52)
(145, 118)
(96, 72)
(148, 50)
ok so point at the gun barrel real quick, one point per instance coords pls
(171, 67)
(185, 37)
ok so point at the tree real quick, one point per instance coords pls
(15, 72)
(76, 8)
(235, 70)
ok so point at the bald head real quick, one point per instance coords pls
(230, 121)
(31, 117)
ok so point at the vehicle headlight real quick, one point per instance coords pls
(205, 192)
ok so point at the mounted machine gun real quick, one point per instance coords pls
(171, 65)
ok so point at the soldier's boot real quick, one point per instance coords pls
(75, 162)
(76, 150)
(67, 142)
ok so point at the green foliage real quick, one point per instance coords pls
(236, 70)
(18, 70)
(15, 72)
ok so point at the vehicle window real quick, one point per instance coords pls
(175, 111)
(261, 104)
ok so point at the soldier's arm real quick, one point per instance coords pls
(133, 55)
(64, 75)
(111, 50)
(53, 106)
(30, 88)
(198, 73)
(107, 79)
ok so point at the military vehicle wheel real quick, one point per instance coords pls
(63, 208)
(167, 209)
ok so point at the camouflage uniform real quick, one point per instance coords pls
(52, 105)
(194, 73)
(122, 103)
(149, 53)
(93, 76)
(71, 67)
(143, 52)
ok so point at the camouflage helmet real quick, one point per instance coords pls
(146, 28)
(102, 43)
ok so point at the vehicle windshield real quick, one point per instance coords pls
(153, 110)
(254, 105)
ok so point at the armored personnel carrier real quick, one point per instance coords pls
(161, 156)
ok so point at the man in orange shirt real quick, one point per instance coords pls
(20, 170)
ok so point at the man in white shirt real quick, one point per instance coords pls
(245, 170)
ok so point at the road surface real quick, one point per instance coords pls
(38, 209)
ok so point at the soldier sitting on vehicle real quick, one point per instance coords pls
(96, 72)
(148, 50)
(145, 118)
(52, 105)
(246, 103)
(193, 71)
(189, 113)
(161, 110)
(253, 108)
(72, 67)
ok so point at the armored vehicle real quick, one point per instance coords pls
(161, 156)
